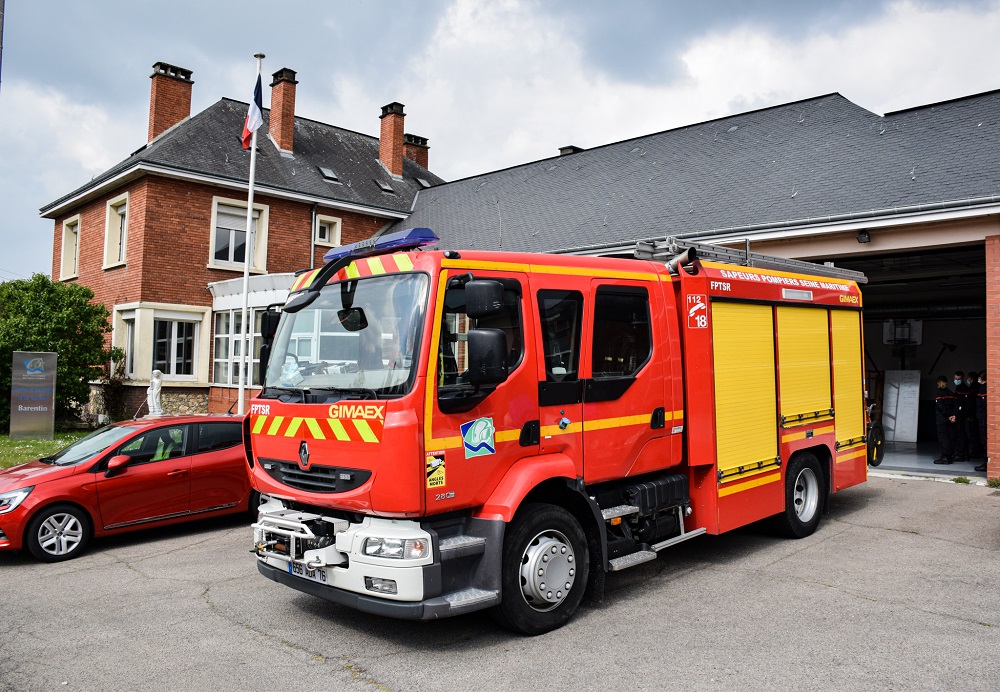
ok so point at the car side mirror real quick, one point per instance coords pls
(118, 463)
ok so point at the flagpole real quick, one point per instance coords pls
(248, 248)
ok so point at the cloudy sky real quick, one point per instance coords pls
(491, 83)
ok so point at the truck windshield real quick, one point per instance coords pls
(359, 339)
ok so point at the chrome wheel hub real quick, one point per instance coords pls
(60, 534)
(548, 570)
(805, 495)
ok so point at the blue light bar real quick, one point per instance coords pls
(392, 242)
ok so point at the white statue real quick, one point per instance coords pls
(153, 393)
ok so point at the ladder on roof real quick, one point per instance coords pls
(676, 252)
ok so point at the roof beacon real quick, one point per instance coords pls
(399, 241)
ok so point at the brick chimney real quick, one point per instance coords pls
(390, 142)
(415, 149)
(169, 97)
(283, 108)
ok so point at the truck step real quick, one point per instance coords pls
(626, 561)
(619, 511)
(679, 539)
(453, 547)
(471, 598)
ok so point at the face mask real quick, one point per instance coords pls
(957, 382)
(969, 382)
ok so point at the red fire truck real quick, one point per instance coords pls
(441, 432)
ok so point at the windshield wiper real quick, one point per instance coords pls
(48, 460)
(346, 392)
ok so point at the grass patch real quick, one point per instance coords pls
(993, 482)
(961, 479)
(17, 451)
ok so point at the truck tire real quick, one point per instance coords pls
(803, 497)
(544, 570)
(57, 532)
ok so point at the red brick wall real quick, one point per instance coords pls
(390, 147)
(417, 154)
(993, 355)
(169, 103)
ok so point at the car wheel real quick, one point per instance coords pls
(803, 497)
(876, 444)
(58, 532)
(544, 570)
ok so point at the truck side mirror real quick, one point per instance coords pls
(487, 349)
(483, 298)
(269, 324)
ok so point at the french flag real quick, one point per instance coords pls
(255, 116)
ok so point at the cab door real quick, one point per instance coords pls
(472, 437)
(560, 383)
(626, 418)
(154, 485)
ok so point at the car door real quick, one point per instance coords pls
(154, 485)
(219, 474)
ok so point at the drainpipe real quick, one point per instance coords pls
(312, 239)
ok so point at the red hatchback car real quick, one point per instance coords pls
(127, 476)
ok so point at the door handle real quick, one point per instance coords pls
(177, 472)
(564, 423)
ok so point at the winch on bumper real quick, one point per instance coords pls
(396, 568)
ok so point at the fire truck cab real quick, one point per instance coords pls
(442, 432)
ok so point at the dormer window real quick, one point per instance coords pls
(385, 187)
(329, 174)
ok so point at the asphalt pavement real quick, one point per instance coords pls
(897, 590)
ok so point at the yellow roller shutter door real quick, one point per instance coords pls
(745, 406)
(804, 364)
(848, 383)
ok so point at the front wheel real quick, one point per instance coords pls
(803, 497)
(544, 570)
(56, 533)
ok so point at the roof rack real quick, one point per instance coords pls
(676, 252)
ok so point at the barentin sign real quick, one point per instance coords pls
(33, 395)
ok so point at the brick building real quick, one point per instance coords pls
(160, 237)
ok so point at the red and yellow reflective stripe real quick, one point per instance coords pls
(341, 430)
(851, 453)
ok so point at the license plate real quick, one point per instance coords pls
(298, 570)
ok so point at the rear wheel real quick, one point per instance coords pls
(803, 496)
(58, 532)
(544, 571)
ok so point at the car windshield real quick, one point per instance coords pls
(358, 340)
(88, 447)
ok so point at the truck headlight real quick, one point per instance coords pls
(11, 499)
(397, 548)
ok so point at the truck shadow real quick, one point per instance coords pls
(477, 631)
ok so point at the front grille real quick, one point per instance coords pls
(317, 478)
(3, 536)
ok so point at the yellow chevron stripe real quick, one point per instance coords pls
(293, 427)
(258, 424)
(375, 265)
(352, 271)
(275, 424)
(364, 430)
(338, 430)
(314, 428)
(403, 263)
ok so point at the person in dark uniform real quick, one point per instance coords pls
(945, 415)
(981, 416)
(961, 413)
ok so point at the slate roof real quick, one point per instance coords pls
(208, 144)
(800, 163)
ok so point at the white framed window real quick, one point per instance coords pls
(229, 240)
(69, 264)
(129, 346)
(228, 348)
(175, 346)
(116, 232)
(328, 231)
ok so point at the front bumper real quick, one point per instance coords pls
(324, 557)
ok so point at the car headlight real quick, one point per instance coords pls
(398, 548)
(12, 498)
